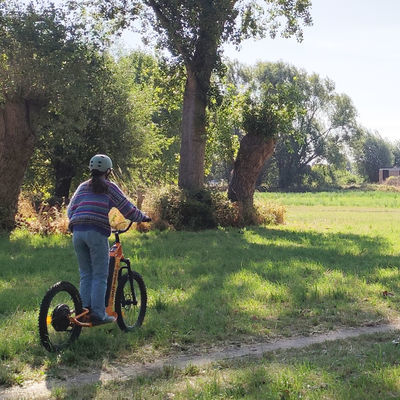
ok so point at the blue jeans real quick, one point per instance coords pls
(92, 248)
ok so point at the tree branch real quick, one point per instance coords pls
(172, 32)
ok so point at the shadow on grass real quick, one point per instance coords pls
(315, 279)
(362, 368)
(212, 286)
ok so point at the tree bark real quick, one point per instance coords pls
(64, 172)
(192, 152)
(17, 140)
(253, 153)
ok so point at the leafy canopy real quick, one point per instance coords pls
(188, 27)
(41, 51)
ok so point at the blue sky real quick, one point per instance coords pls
(355, 43)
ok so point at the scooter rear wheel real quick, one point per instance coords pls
(61, 302)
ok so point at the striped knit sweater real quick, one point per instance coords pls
(88, 210)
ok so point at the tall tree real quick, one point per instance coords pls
(193, 31)
(155, 87)
(372, 152)
(225, 114)
(38, 58)
(396, 153)
(325, 121)
(322, 130)
(131, 111)
(269, 110)
(91, 115)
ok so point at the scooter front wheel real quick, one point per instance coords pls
(130, 301)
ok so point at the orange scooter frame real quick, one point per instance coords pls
(116, 255)
(126, 299)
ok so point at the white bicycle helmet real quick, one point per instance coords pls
(100, 162)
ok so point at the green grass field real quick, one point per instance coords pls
(327, 267)
(352, 198)
(366, 368)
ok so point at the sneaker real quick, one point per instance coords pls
(97, 321)
(86, 318)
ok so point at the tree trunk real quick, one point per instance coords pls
(64, 172)
(17, 141)
(191, 167)
(253, 153)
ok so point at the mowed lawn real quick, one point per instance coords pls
(329, 266)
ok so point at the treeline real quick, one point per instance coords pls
(64, 97)
(132, 110)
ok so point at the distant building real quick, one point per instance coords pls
(384, 173)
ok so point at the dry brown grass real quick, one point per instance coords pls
(43, 220)
(392, 181)
(270, 213)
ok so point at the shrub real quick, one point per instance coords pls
(326, 177)
(172, 207)
(179, 209)
(226, 212)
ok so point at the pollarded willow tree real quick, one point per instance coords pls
(194, 31)
(48, 69)
(300, 113)
(270, 108)
(39, 57)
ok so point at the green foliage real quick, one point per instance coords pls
(270, 109)
(131, 112)
(225, 115)
(327, 177)
(50, 63)
(93, 104)
(181, 25)
(312, 122)
(324, 125)
(40, 52)
(372, 152)
(91, 116)
(155, 88)
(396, 152)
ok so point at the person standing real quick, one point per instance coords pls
(90, 226)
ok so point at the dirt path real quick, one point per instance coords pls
(42, 390)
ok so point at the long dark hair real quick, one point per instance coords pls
(98, 182)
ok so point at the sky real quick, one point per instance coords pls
(355, 43)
